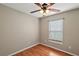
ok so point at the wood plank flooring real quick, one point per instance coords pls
(41, 50)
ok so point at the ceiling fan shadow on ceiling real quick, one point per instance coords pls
(45, 8)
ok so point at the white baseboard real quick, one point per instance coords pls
(42, 44)
(59, 49)
(23, 49)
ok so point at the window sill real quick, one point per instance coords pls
(56, 42)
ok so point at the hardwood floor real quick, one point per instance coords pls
(41, 50)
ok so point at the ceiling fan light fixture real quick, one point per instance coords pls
(47, 11)
(44, 14)
(41, 11)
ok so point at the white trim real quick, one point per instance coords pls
(42, 44)
(56, 42)
(23, 49)
(60, 49)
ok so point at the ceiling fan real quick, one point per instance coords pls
(44, 7)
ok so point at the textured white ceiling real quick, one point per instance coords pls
(28, 7)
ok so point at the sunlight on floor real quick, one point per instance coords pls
(52, 54)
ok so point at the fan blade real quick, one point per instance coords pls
(34, 11)
(38, 4)
(50, 4)
(54, 10)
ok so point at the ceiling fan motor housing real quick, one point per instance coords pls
(44, 7)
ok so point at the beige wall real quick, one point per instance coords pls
(71, 31)
(17, 30)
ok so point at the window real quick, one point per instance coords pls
(56, 30)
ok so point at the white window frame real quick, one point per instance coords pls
(52, 40)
